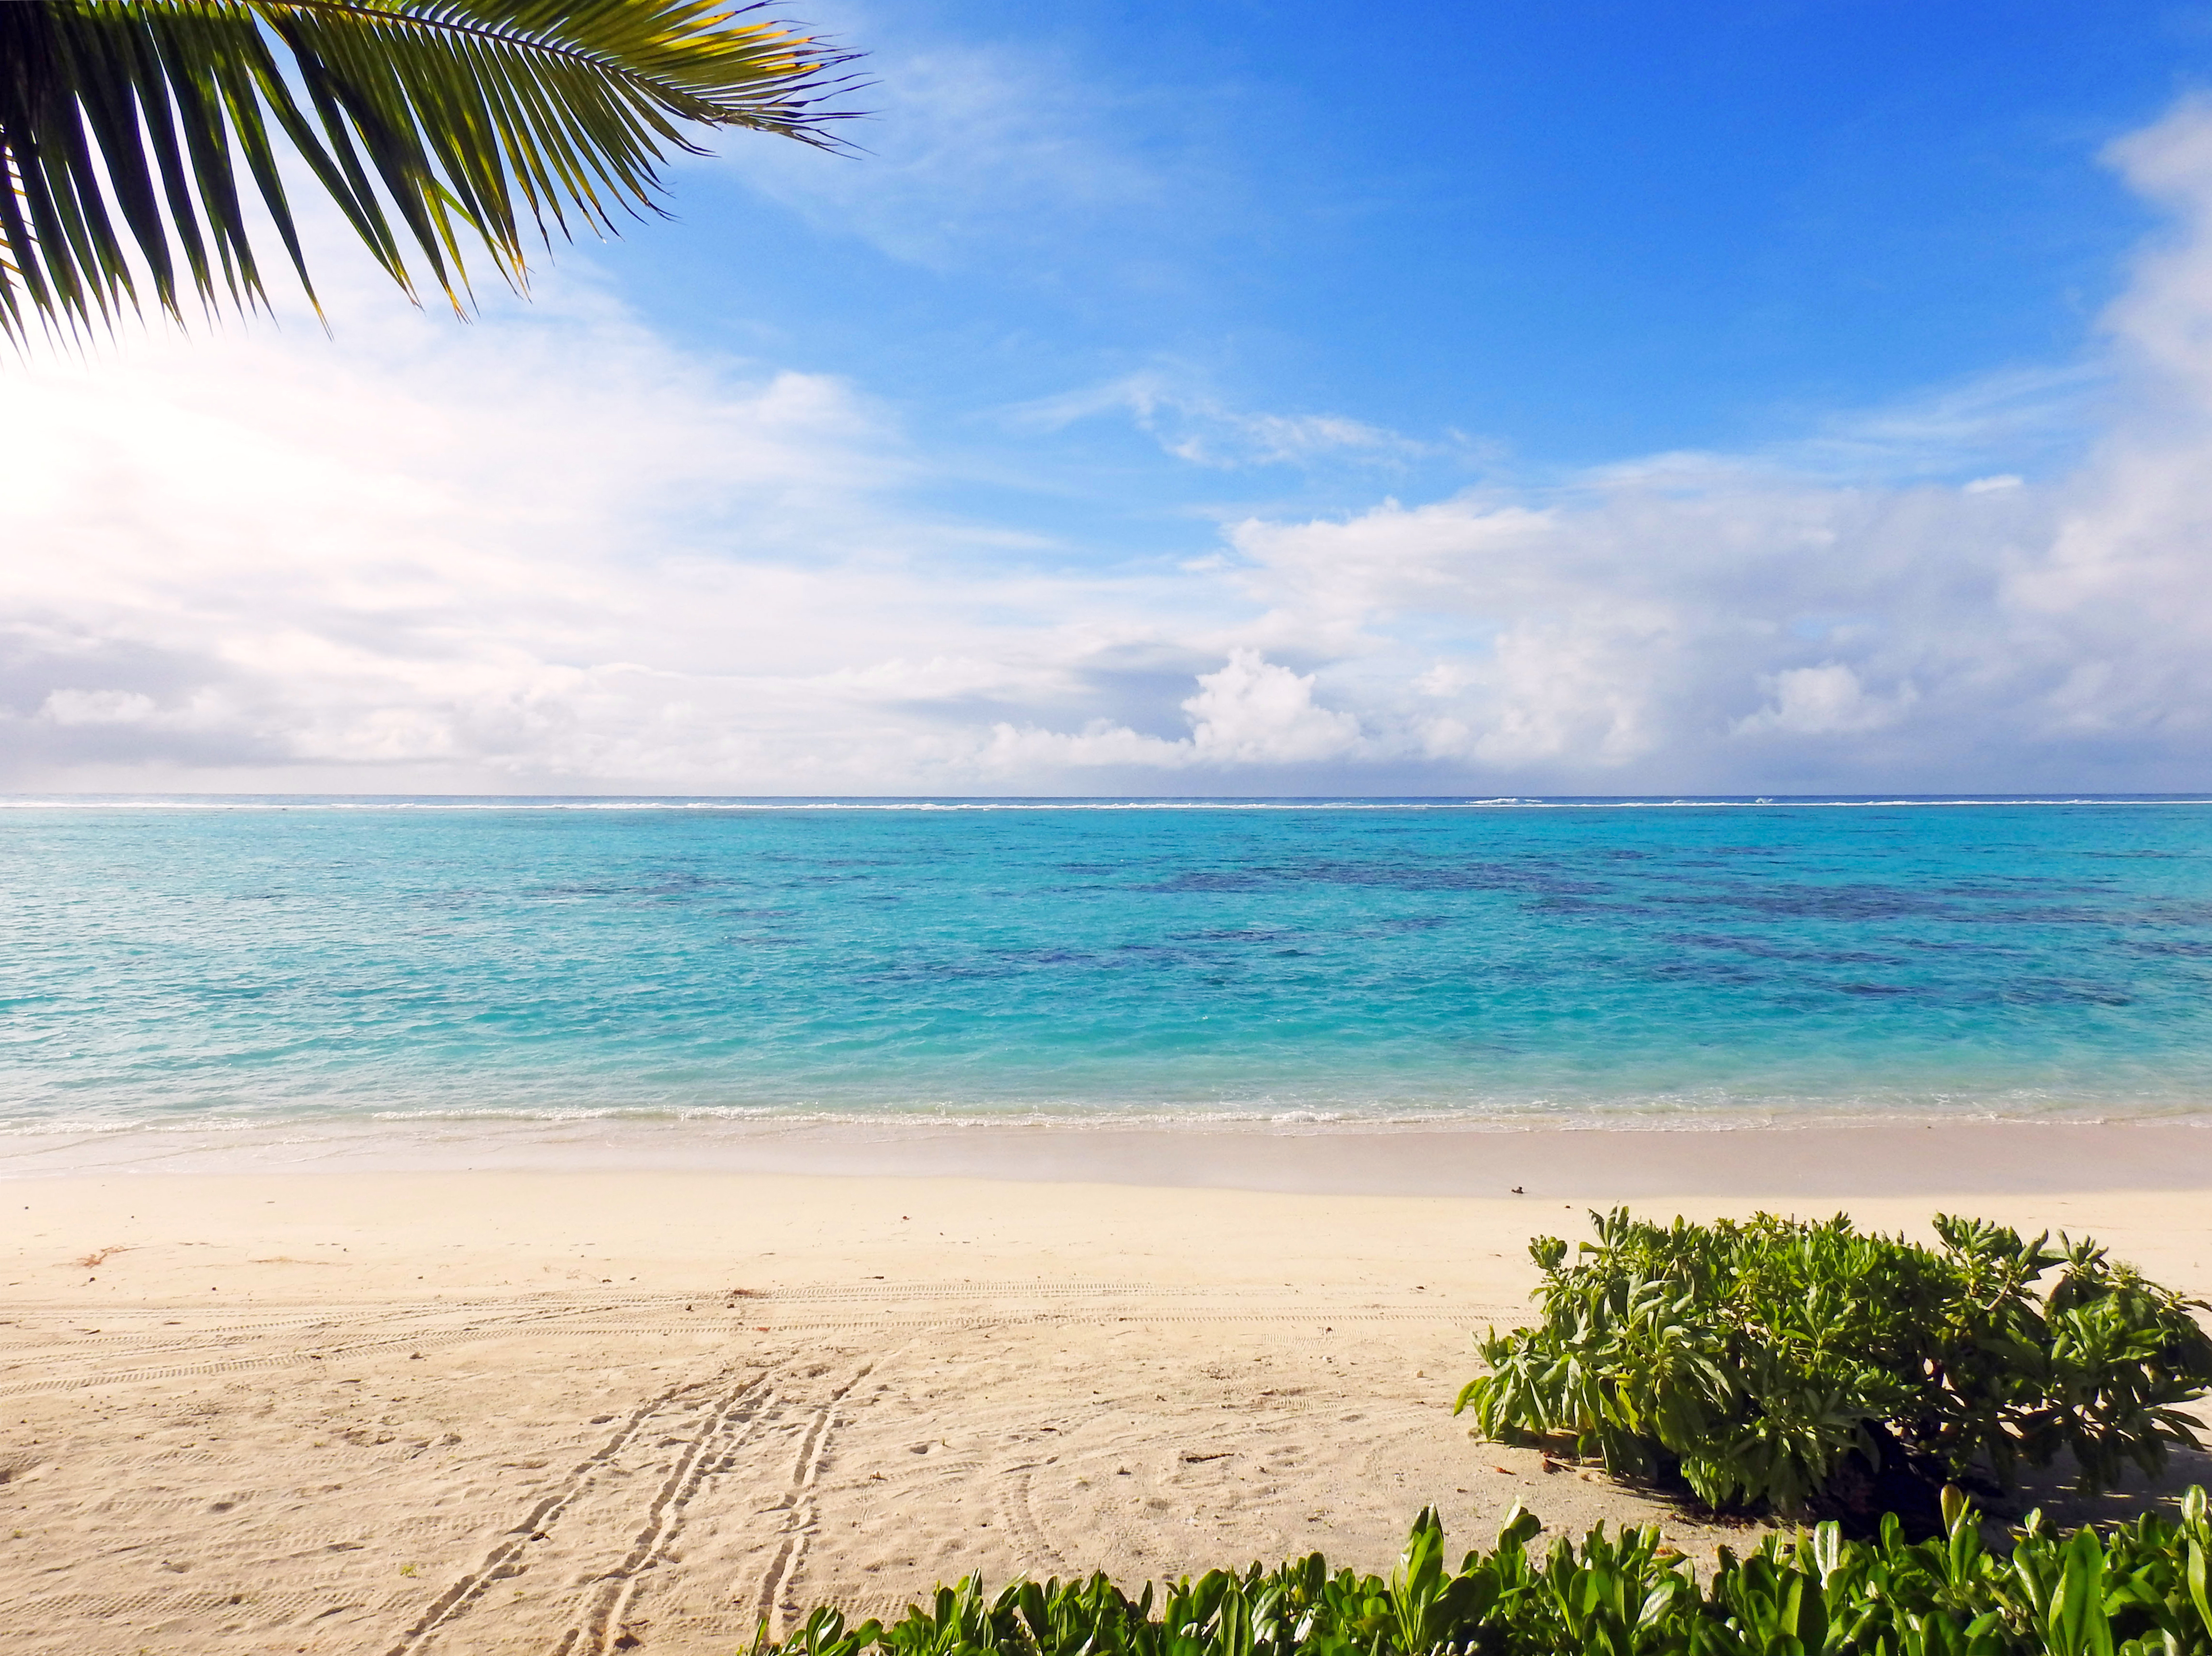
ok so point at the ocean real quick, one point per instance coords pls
(263, 965)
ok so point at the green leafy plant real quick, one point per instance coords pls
(2138, 1589)
(1795, 1364)
(431, 124)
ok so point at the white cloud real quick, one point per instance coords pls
(1249, 712)
(1824, 700)
(1254, 713)
(499, 547)
(98, 707)
(549, 551)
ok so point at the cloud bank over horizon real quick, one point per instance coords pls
(554, 553)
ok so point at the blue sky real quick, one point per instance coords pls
(1223, 397)
(1566, 233)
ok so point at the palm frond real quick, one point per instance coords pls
(435, 126)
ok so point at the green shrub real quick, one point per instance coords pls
(2138, 1591)
(1793, 1364)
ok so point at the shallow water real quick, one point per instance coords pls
(208, 964)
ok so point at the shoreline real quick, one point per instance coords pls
(1599, 1160)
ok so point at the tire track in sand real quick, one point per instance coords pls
(500, 1562)
(1011, 1493)
(798, 1527)
(713, 1450)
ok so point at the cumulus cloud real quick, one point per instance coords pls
(1250, 712)
(551, 552)
(1824, 700)
(1253, 711)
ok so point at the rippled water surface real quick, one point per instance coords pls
(318, 959)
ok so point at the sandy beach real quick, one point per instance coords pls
(394, 1411)
(825, 803)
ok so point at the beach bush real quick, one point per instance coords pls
(2138, 1590)
(1801, 1366)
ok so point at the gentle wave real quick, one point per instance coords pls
(1718, 1115)
(441, 1124)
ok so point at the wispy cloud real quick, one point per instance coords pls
(1200, 429)
(971, 144)
(2037, 416)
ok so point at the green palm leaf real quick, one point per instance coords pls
(436, 125)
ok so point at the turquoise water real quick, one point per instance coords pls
(254, 962)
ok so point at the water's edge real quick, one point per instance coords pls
(1599, 1161)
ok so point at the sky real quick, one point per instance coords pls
(1237, 396)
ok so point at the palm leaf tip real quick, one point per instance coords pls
(434, 125)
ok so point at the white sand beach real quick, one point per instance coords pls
(548, 1411)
